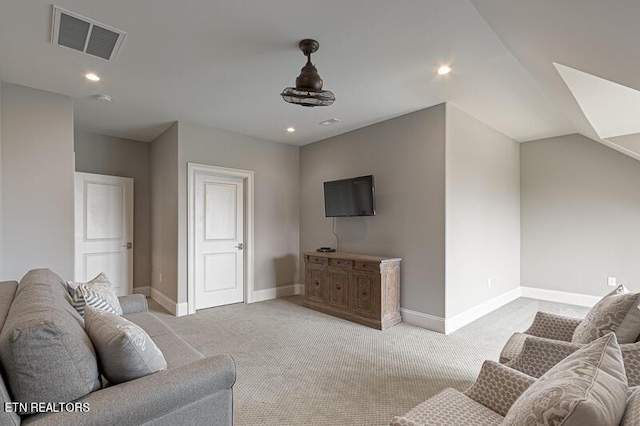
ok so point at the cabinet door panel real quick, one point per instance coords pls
(339, 287)
(315, 283)
(366, 294)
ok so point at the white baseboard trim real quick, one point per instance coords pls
(177, 309)
(273, 293)
(560, 296)
(182, 309)
(458, 321)
(449, 325)
(145, 291)
(419, 319)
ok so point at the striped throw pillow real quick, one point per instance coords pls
(84, 296)
(99, 293)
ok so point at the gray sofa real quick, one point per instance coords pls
(193, 390)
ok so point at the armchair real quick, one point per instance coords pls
(548, 341)
(485, 403)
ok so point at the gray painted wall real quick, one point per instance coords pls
(580, 216)
(1, 224)
(277, 189)
(37, 181)
(164, 212)
(482, 212)
(107, 155)
(406, 156)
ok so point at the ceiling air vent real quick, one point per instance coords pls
(85, 35)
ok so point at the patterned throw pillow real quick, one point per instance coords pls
(98, 293)
(618, 312)
(125, 351)
(589, 387)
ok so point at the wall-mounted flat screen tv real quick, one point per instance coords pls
(350, 197)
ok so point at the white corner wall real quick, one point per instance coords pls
(482, 218)
(37, 181)
(164, 216)
(580, 219)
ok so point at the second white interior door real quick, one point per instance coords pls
(219, 239)
(104, 229)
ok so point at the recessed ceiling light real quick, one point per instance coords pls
(290, 129)
(92, 77)
(444, 70)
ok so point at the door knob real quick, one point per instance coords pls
(129, 246)
(239, 246)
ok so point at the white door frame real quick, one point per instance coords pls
(247, 175)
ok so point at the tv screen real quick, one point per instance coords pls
(350, 197)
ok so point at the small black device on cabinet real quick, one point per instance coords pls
(326, 250)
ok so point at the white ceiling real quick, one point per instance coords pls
(612, 109)
(223, 63)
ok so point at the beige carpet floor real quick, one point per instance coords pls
(297, 366)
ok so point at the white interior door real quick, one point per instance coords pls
(219, 238)
(104, 229)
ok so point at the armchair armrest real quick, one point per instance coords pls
(538, 355)
(151, 397)
(403, 421)
(133, 303)
(631, 357)
(552, 326)
(497, 387)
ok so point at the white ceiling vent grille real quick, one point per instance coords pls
(85, 35)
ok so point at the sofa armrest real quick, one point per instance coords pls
(497, 387)
(133, 303)
(538, 355)
(552, 326)
(147, 398)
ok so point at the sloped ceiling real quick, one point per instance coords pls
(223, 63)
(596, 37)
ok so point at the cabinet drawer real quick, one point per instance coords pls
(318, 259)
(367, 266)
(340, 263)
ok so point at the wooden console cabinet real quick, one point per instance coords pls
(358, 288)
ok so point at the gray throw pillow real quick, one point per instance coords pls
(618, 312)
(589, 387)
(125, 350)
(98, 293)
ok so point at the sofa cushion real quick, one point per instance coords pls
(150, 323)
(450, 407)
(589, 387)
(45, 353)
(618, 312)
(98, 293)
(176, 351)
(125, 351)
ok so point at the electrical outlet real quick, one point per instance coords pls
(488, 282)
(611, 281)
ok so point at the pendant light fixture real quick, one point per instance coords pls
(308, 91)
